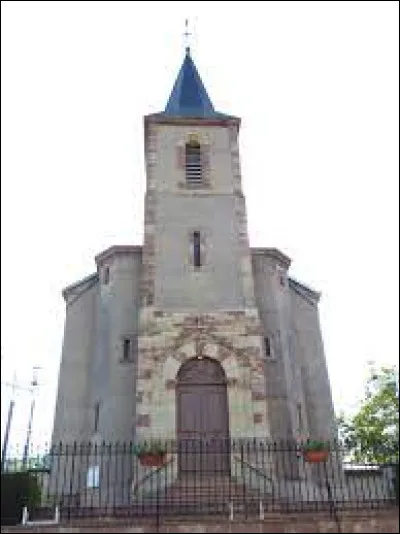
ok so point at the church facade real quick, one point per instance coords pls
(194, 333)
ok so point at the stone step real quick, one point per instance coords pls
(209, 490)
(210, 495)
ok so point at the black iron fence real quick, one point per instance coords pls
(229, 478)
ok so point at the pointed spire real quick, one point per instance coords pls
(189, 97)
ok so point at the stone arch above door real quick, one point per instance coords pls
(201, 371)
(244, 382)
(210, 350)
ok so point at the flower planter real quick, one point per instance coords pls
(152, 460)
(315, 457)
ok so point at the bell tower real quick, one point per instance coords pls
(196, 250)
(197, 289)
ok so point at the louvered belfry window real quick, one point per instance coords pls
(193, 167)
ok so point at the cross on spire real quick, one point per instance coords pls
(186, 35)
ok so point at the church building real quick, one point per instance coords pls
(192, 334)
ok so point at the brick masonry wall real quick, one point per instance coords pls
(362, 521)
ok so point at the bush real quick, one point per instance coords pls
(18, 490)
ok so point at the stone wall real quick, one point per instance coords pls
(360, 521)
(313, 367)
(167, 340)
(102, 311)
(71, 414)
(271, 291)
(174, 210)
(112, 385)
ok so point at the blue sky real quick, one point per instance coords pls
(316, 85)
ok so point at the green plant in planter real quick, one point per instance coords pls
(315, 451)
(149, 449)
(316, 445)
(150, 454)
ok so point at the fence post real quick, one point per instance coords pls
(330, 497)
(158, 499)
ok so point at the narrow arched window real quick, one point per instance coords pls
(193, 166)
(196, 249)
(126, 356)
(106, 275)
(267, 347)
(96, 416)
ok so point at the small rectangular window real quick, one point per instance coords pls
(127, 350)
(193, 163)
(196, 249)
(106, 275)
(96, 416)
(299, 417)
(267, 347)
(93, 477)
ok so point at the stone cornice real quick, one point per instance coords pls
(79, 287)
(273, 253)
(304, 291)
(117, 249)
(157, 118)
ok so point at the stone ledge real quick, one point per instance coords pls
(352, 521)
(117, 249)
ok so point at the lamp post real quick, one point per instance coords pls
(34, 384)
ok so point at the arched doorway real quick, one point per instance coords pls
(202, 417)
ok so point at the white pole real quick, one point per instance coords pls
(34, 384)
(25, 515)
(8, 425)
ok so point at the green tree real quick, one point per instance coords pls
(372, 434)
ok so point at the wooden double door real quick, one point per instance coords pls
(202, 418)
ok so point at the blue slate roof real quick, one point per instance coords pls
(189, 97)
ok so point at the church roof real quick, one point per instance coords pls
(304, 291)
(76, 289)
(189, 97)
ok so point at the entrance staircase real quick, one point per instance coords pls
(193, 495)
